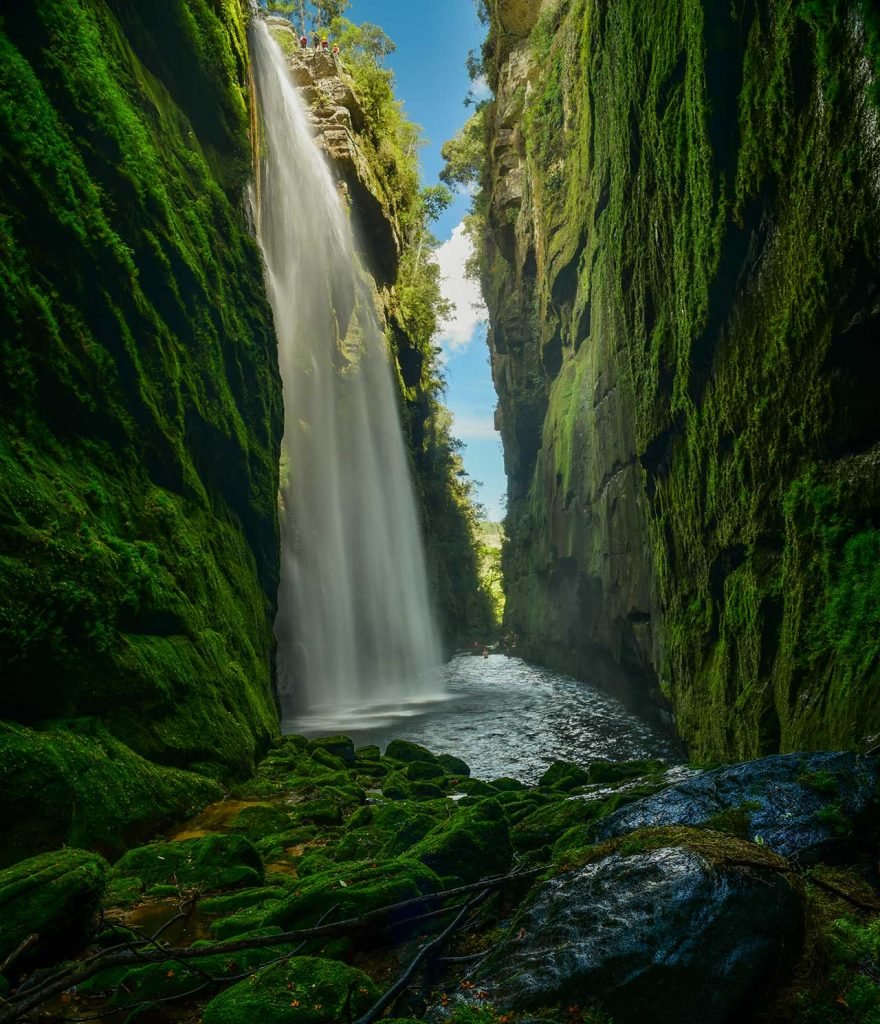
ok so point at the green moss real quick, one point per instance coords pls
(475, 842)
(306, 990)
(53, 896)
(213, 862)
(141, 416)
(350, 890)
(73, 783)
(563, 775)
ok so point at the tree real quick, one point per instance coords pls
(313, 14)
(362, 42)
(464, 154)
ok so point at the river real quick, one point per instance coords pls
(504, 717)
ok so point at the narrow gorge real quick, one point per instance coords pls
(289, 732)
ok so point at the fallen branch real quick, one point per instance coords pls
(22, 947)
(75, 974)
(384, 1001)
(834, 890)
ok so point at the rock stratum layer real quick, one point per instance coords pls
(680, 261)
(140, 419)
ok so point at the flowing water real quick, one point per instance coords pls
(505, 717)
(355, 624)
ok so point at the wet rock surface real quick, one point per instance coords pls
(668, 935)
(795, 804)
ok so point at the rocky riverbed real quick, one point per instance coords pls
(343, 883)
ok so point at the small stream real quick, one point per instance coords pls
(504, 717)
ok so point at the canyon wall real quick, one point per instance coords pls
(679, 248)
(140, 419)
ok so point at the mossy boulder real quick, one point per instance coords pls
(350, 890)
(260, 820)
(453, 765)
(546, 824)
(340, 747)
(212, 862)
(304, 990)
(675, 926)
(475, 787)
(475, 842)
(53, 896)
(798, 804)
(425, 771)
(407, 753)
(564, 775)
(386, 830)
(72, 783)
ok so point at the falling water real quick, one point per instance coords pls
(355, 628)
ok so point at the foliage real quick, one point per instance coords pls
(308, 15)
(361, 42)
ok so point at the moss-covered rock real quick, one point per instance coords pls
(53, 896)
(212, 862)
(338, 746)
(304, 990)
(353, 890)
(408, 753)
(564, 775)
(73, 783)
(453, 765)
(475, 842)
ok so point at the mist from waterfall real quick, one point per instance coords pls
(355, 627)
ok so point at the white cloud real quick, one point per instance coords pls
(480, 89)
(457, 332)
(473, 428)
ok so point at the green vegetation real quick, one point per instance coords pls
(141, 411)
(698, 182)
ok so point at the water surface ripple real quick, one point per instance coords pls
(504, 717)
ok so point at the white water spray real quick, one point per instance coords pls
(355, 627)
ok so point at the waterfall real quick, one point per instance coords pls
(355, 627)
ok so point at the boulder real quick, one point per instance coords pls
(308, 990)
(54, 897)
(795, 804)
(474, 843)
(675, 929)
(212, 862)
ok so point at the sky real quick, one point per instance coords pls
(433, 40)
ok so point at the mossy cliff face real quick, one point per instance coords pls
(140, 405)
(680, 263)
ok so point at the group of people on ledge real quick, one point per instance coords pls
(318, 43)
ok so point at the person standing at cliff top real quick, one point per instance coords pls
(316, 41)
(303, 42)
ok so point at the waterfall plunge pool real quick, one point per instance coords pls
(504, 717)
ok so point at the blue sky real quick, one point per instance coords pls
(433, 40)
